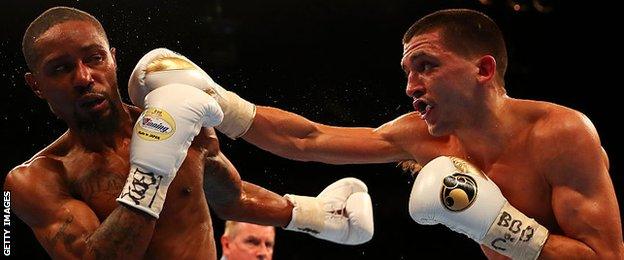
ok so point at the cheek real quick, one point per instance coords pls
(111, 71)
(111, 78)
(243, 248)
(455, 83)
(57, 93)
(60, 102)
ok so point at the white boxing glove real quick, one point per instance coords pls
(453, 192)
(173, 116)
(238, 113)
(341, 213)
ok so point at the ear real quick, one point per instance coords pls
(33, 84)
(113, 52)
(225, 244)
(487, 69)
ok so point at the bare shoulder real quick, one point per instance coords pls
(567, 143)
(38, 170)
(48, 160)
(38, 180)
(556, 124)
(410, 134)
(33, 184)
(566, 149)
(407, 126)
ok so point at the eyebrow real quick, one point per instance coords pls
(54, 60)
(411, 57)
(252, 237)
(93, 46)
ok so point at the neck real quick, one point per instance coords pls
(488, 132)
(114, 133)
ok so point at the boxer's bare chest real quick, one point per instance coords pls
(520, 177)
(524, 185)
(522, 182)
(98, 178)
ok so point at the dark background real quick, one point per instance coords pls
(336, 62)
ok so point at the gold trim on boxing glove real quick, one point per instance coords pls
(464, 166)
(168, 63)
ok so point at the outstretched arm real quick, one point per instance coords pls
(295, 137)
(341, 213)
(234, 199)
(277, 131)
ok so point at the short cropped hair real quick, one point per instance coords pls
(232, 228)
(466, 32)
(45, 21)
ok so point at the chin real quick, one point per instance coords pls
(104, 121)
(438, 130)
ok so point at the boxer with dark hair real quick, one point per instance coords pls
(126, 182)
(545, 189)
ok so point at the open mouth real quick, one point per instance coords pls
(91, 100)
(92, 103)
(422, 106)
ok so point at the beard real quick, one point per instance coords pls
(100, 123)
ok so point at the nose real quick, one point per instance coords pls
(414, 90)
(263, 252)
(83, 77)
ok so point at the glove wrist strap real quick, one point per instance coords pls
(238, 115)
(307, 215)
(145, 191)
(515, 235)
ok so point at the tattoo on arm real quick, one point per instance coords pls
(121, 235)
(62, 235)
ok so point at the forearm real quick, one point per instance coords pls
(234, 199)
(257, 205)
(295, 137)
(125, 234)
(562, 247)
(280, 132)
